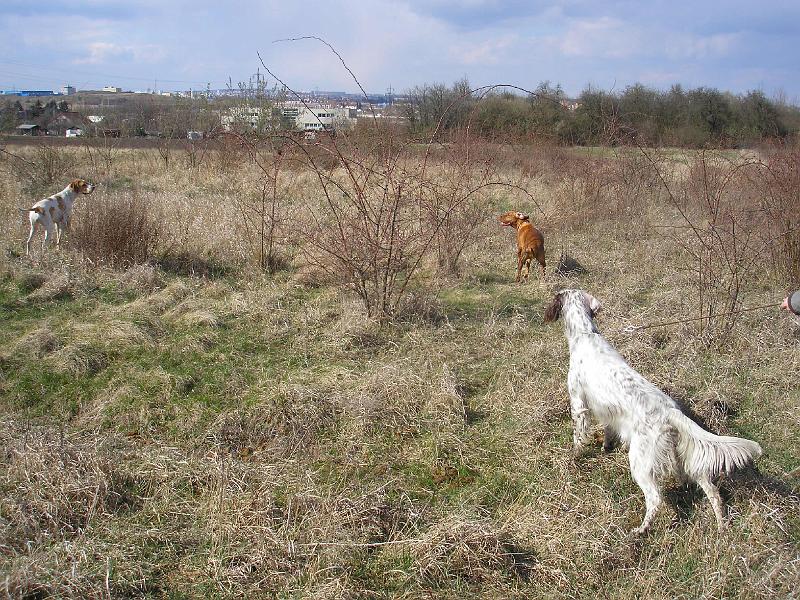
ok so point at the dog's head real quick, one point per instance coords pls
(81, 186)
(512, 219)
(564, 298)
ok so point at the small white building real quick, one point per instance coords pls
(301, 117)
(327, 119)
(73, 132)
(113, 89)
(246, 117)
(67, 90)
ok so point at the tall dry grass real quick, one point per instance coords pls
(265, 436)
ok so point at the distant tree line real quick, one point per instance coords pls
(677, 117)
(13, 112)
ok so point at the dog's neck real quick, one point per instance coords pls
(68, 193)
(577, 320)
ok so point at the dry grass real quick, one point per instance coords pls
(178, 430)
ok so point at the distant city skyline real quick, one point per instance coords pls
(193, 44)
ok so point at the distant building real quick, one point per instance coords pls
(194, 135)
(295, 115)
(245, 117)
(28, 129)
(64, 121)
(67, 90)
(327, 119)
(113, 89)
(28, 93)
(73, 132)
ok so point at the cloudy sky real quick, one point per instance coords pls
(732, 45)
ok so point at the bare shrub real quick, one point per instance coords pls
(381, 211)
(385, 211)
(262, 205)
(780, 181)
(49, 165)
(195, 153)
(229, 152)
(467, 164)
(608, 189)
(102, 152)
(120, 233)
(722, 234)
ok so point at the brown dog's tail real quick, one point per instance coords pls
(36, 209)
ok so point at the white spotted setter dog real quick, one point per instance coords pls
(55, 211)
(661, 440)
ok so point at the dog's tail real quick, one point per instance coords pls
(705, 454)
(36, 209)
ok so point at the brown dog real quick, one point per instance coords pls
(530, 241)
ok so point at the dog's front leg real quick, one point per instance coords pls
(581, 419)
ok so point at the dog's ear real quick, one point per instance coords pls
(553, 312)
(76, 184)
(592, 303)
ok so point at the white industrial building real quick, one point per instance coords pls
(328, 119)
(303, 118)
(244, 117)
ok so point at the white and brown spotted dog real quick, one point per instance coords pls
(55, 212)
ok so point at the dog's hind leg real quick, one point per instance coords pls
(542, 263)
(48, 233)
(609, 438)
(28, 241)
(643, 472)
(714, 498)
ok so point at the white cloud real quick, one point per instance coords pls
(103, 52)
(691, 47)
(399, 42)
(482, 52)
(604, 37)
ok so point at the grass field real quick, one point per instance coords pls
(194, 427)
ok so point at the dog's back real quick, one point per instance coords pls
(530, 241)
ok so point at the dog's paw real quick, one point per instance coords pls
(578, 453)
(639, 531)
(724, 525)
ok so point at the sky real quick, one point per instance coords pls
(181, 44)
